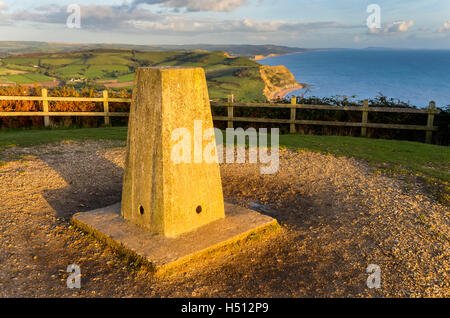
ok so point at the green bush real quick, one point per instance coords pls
(440, 137)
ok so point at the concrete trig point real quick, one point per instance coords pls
(170, 212)
(169, 198)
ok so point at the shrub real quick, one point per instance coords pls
(60, 106)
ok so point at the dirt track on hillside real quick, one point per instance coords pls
(338, 216)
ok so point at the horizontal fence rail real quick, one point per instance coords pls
(230, 118)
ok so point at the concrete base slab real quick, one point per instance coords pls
(163, 253)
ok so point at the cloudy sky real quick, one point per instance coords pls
(301, 23)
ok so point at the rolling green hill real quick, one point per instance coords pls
(115, 69)
(27, 47)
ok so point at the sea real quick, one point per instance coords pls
(413, 76)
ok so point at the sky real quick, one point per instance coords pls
(298, 23)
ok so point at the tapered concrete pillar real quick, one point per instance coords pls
(164, 196)
(172, 213)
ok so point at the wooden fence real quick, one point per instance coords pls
(47, 114)
(231, 105)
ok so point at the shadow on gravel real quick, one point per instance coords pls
(93, 182)
(297, 212)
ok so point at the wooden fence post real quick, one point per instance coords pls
(431, 112)
(45, 107)
(365, 118)
(106, 108)
(230, 111)
(293, 129)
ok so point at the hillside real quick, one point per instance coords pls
(12, 47)
(246, 79)
(278, 81)
(115, 69)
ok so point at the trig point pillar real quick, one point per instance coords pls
(166, 197)
(172, 213)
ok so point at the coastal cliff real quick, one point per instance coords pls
(262, 57)
(279, 82)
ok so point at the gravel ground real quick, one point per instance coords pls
(338, 216)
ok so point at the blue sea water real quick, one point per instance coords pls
(414, 76)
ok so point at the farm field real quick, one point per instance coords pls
(225, 75)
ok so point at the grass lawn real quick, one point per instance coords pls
(429, 161)
(26, 138)
(20, 79)
(36, 77)
(126, 78)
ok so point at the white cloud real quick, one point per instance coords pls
(445, 27)
(393, 28)
(4, 17)
(140, 20)
(197, 5)
(3, 6)
(177, 24)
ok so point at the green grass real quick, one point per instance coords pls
(20, 79)
(427, 160)
(126, 78)
(21, 61)
(70, 71)
(5, 71)
(29, 78)
(36, 77)
(110, 59)
(20, 68)
(27, 138)
(97, 71)
(247, 88)
(154, 58)
(58, 61)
